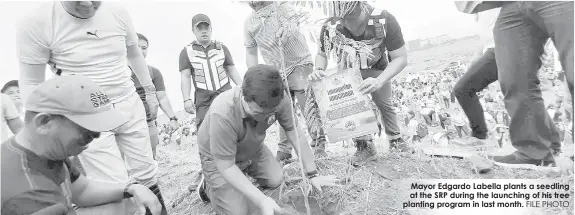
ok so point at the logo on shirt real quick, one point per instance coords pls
(94, 33)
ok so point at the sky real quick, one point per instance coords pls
(167, 25)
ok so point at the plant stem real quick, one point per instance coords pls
(297, 146)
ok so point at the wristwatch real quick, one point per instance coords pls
(126, 193)
(173, 118)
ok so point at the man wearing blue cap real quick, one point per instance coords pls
(63, 116)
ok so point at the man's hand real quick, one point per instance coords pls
(174, 125)
(316, 75)
(370, 85)
(189, 106)
(145, 198)
(320, 181)
(269, 207)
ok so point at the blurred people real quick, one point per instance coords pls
(97, 40)
(162, 96)
(9, 118)
(231, 142)
(459, 123)
(12, 89)
(382, 33)
(62, 119)
(267, 36)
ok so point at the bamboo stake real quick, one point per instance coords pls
(297, 146)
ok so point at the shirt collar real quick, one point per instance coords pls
(239, 103)
(199, 44)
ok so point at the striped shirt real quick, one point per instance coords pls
(31, 183)
(260, 31)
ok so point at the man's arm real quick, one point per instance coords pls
(321, 57)
(31, 75)
(234, 75)
(11, 114)
(135, 58)
(34, 202)
(230, 68)
(250, 44)
(251, 56)
(158, 80)
(395, 45)
(139, 66)
(397, 64)
(33, 52)
(165, 103)
(223, 140)
(86, 193)
(186, 83)
(185, 74)
(301, 146)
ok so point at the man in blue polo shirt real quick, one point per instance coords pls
(63, 115)
(231, 142)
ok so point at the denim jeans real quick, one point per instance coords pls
(520, 32)
(479, 75)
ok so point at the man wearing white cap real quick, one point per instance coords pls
(98, 41)
(63, 116)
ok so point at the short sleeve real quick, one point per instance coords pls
(223, 139)
(131, 33)
(32, 43)
(229, 60)
(32, 202)
(249, 40)
(184, 60)
(157, 79)
(394, 38)
(284, 114)
(8, 108)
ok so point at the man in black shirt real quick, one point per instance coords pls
(381, 31)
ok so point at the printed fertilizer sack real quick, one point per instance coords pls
(344, 111)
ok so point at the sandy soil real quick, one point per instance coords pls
(366, 192)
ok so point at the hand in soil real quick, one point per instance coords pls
(320, 181)
(269, 207)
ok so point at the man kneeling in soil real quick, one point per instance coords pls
(231, 142)
(63, 115)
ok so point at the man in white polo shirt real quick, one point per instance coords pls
(98, 41)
